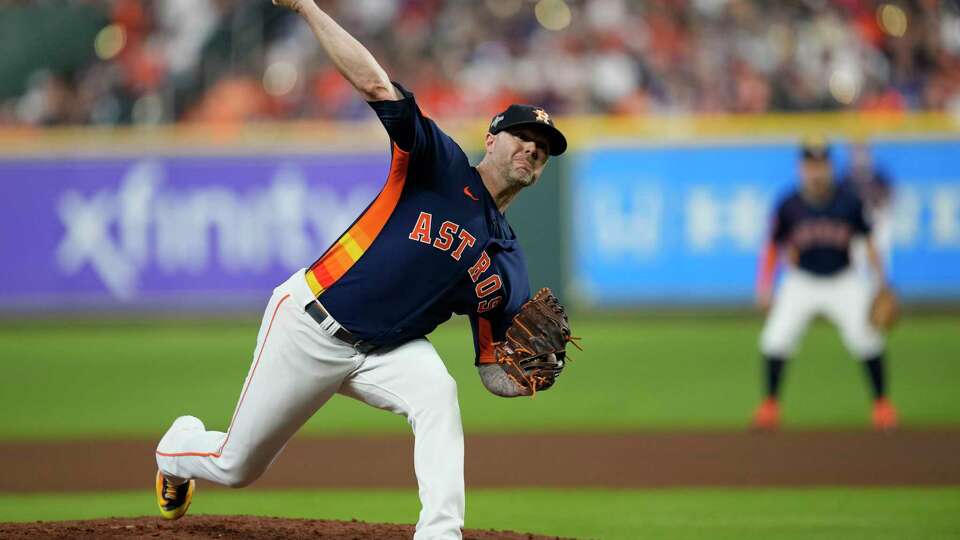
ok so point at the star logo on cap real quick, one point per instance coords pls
(542, 116)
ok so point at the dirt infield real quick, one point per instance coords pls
(803, 458)
(723, 458)
(247, 527)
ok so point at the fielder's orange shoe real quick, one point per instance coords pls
(884, 415)
(767, 416)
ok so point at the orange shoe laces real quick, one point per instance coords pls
(169, 490)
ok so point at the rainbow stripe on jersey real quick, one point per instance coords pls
(352, 244)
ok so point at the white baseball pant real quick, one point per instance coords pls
(844, 299)
(298, 366)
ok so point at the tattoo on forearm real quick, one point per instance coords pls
(499, 383)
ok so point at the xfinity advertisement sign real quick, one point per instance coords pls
(171, 231)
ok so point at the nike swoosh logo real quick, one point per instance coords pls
(468, 193)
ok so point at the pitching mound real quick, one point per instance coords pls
(252, 528)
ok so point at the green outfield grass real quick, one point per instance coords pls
(123, 379)
(675, 514)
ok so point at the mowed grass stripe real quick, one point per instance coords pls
(67, 380)
(676, 514)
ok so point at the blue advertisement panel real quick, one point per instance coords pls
(184, 232)
(685, 224)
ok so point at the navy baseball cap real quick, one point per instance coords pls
(534, 117)
(815, 149)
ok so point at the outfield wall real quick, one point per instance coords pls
(641, 211)
(684, 223)
(204, 232)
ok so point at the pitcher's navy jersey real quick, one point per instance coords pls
(820, 234)
(431, 244)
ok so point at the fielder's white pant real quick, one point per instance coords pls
(844, 299)
(297, 366)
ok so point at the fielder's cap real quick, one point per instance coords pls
(815, 149)
(534, 117)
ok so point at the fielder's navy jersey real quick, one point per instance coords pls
(820, 234)
(431, 244)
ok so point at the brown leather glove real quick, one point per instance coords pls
(885, 309)
(534, 351)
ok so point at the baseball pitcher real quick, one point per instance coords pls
(814, 227)
(434, 242)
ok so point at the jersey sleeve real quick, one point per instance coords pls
(491, 326)
(766, 269)
(767, 263)
(414, 133)
(859, 218)
(487, 330)
(884, 186)
(782, 225)
(491, 318)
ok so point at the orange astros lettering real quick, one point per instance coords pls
(421, 231)
(446, 236)
(447, 230)
(479, 267)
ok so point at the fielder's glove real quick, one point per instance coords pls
(534, 351)
(885, 309)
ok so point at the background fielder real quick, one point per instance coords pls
(814, 227)
(434, 242)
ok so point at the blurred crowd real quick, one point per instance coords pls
(160, 61)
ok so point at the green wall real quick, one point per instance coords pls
(540, 224)
(57, 37)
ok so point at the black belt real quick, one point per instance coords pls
(316, 311)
